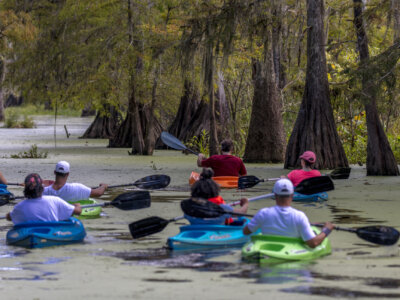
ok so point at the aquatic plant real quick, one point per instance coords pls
(31, 153)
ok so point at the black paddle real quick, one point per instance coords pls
(381, 235)
(151, 182)
(171, 141)
(340, 173)
(125, 201)
(307, 186)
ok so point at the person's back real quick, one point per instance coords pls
(69, 192)
(225, 164)
(307, 160)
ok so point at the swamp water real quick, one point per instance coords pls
(111, 265)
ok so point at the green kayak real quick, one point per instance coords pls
(88, 213)
(277, 249)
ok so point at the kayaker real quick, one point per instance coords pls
(71, 191)
(225, 164)
(284, 220)
(206, 188)
(41, 208)
(307, 160)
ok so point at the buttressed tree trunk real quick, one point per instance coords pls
(315, 128)
(380, 158)
(105, 125)
(265, 141)
(3, 71)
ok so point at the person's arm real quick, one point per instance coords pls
(318, 239)
(8, 217)
(246, 230)
(242, 171)
(77, 210)
(97, 192)
(200, 158)
(2, 179)
(244, 203)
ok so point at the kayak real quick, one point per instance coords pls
(4, 193)
(209, 236)
(227, 182)
(46, 234)
(277, 249)
(88, 213)
(310, 198)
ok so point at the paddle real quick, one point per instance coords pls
(307, 186)
(151, 182)
(153, 225)
(171, 141)
(125, 201)
(46, 182)
(381, 235)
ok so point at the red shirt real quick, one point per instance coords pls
(297, 176)
(225, 165)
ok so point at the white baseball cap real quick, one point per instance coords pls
(62, 167)
(283, 187)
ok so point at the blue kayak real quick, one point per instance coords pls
(199, 237)
(4, 193)
(46, 234)
(310, 198)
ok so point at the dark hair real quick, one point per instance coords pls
(206, 187)
(33, 186)
(60, 174)
(227, 145)
(307, 163)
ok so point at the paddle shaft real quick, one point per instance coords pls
(266, 196)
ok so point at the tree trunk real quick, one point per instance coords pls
(380, 158)
(3, 70)
(88, 111)
(396, 17)
(105, 125)
(265, 140)
(199, 121)
(150, 139)
(315, 128)
(223, 107)
(187, 109)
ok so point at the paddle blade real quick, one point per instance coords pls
(153, 182)
(381, 235)
(248, 181)
(132, 200)
(201, 208)
(171, 141)
(6, 198)
(340, 173)
(147, 227)
(315, 185)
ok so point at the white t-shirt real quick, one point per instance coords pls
(284, 221)
(45, 208)
(69, 192)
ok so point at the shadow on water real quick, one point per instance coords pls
(349, 216)
(337, 292)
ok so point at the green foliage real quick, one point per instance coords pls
(200, 143)
(39, 109)
(33, 152)
(12, 121)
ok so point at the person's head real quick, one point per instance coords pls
(62, 169)
(205, 187)
(227, 145)
(33, 186)
(283, 190)
(308, 158)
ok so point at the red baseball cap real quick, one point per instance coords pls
(309, 156)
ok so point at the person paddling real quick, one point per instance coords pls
(206, 188)
(284, 220)
(225, 164)
(307, 160)
(71, 191)
(2, 179)
(41, 208)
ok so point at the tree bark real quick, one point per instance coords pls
(223, 107)
(380, 158)
(105, 125)
(265, 140)
(187, 109)
(150, 138)
(315, 128)
(3, 70)
(396, 17)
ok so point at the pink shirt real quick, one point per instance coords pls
(297, 176)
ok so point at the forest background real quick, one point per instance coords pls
(277, 77)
